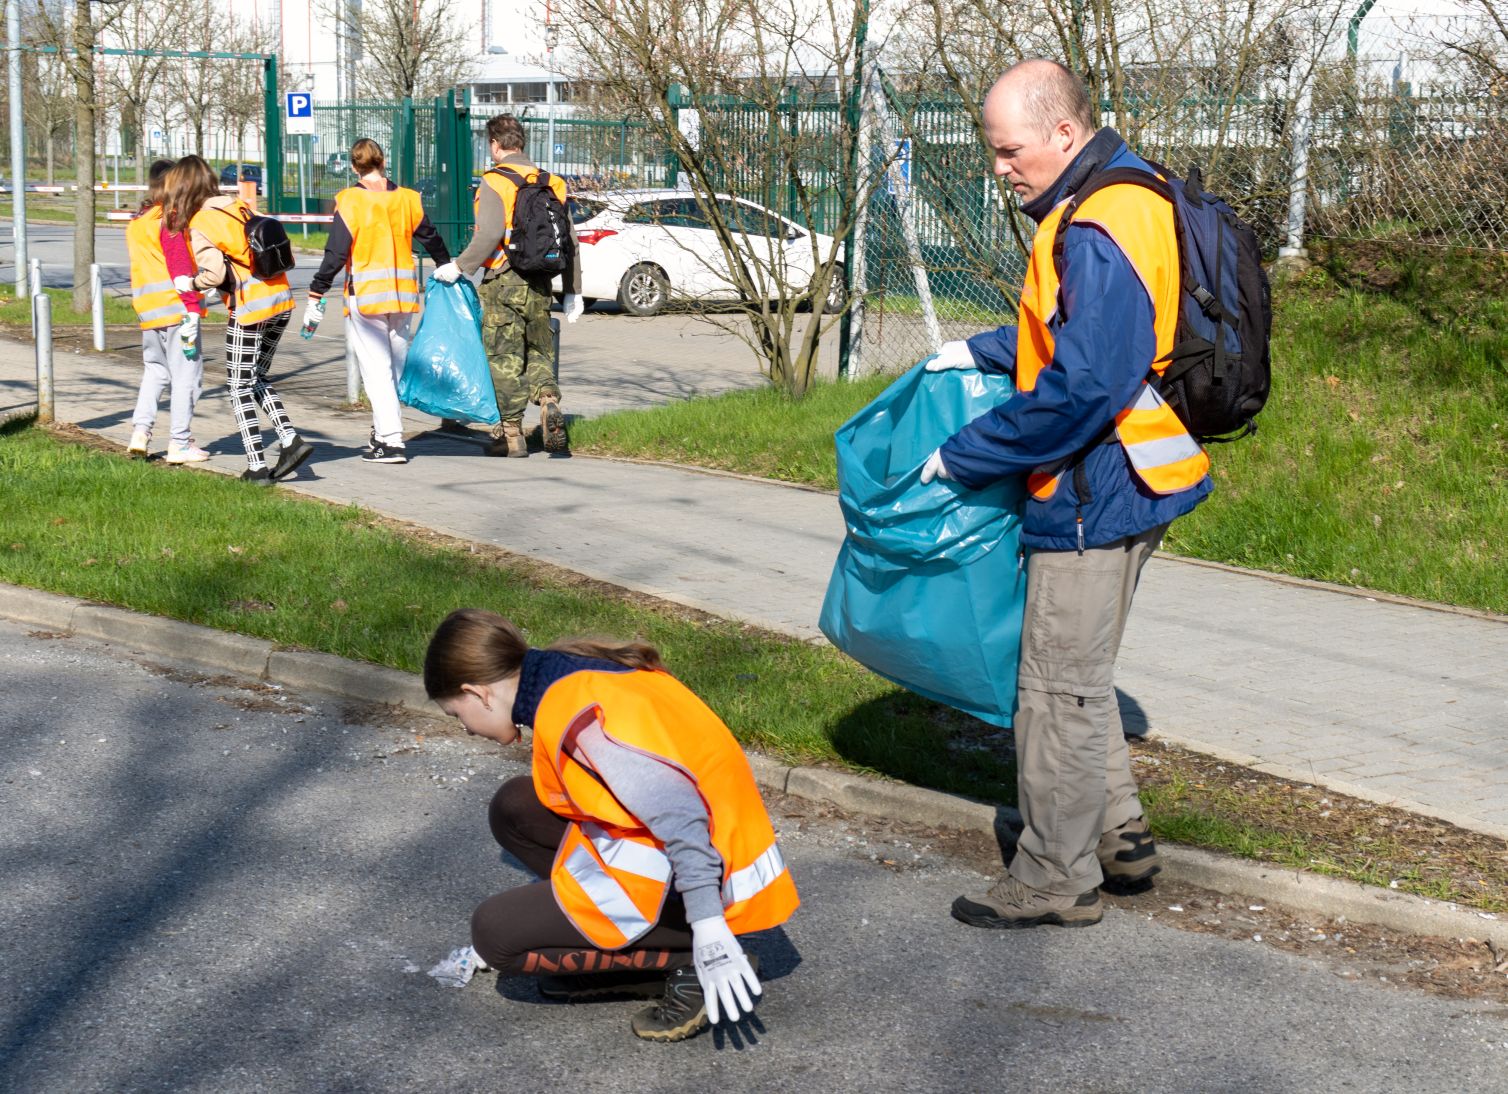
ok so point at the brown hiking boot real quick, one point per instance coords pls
(1011, 903)
(552, 424)
(681, 1011)
(1128, 856)
(508, 440)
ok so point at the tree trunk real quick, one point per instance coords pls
(50, 181)
(83, 207)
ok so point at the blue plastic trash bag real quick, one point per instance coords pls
(445, 373)
(928, 589)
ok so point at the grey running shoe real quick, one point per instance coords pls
(681, 1011)
(1011, 903)
(1128, 856)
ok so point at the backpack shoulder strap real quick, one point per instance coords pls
(1115, 176)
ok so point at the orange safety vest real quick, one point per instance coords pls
(611, 876)
(1162, 453)
(381, 271)
(156, 302)
(507, 190)
(256, 301)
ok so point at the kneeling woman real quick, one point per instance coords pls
(638, 789)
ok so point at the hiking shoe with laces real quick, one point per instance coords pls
(1011, 903)
(294, 453)
(681, 1012)
(508, 440)
(629, 984)
(1128, 857)
(552, 424)
(140, 443)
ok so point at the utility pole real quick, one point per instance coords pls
(17, 145)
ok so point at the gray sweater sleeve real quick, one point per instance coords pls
(670, 807)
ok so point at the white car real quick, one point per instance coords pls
(647, 248)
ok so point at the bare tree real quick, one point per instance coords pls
(237, 88)
(75, 41)
(409, 49)
(751, 100)
(48, 98)
(132, 80)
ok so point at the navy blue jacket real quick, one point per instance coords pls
(1103, 342)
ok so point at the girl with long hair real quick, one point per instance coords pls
(641, 816)
(259, 309)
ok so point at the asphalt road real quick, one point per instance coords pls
(211, 887)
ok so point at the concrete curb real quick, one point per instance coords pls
(207, 648)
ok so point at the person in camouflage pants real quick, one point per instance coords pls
(520, 345)
(515, 307)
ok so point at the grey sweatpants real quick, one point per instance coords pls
(1073, 778)
(165, 366)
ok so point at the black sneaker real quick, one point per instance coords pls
(627, 984)
(294, 453)
(386, 453)
(681, 1011)
(257, 474)
(371, 441)
(1128, 857)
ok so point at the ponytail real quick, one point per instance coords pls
(634, 655)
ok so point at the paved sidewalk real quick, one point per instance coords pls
(1395, 702)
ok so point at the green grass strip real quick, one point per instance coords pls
(17, 313)
(221, 553)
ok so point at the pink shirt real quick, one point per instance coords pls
(181, 264)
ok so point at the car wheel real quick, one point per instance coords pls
(837, 295)
(644, 290)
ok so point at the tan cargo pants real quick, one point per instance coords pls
(1074, 778)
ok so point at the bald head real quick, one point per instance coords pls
(1037, 117)
(1045, 93)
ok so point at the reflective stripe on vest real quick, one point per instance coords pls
(156, 302)
(754, 878)
(619, 883)
(257, 301)
(1162, 453)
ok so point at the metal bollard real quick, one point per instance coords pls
(36, 290)
(353, 372)
(41, 316)
(97, 306)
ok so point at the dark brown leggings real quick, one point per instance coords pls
(523, 931)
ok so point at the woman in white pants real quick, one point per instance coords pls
(372, 242)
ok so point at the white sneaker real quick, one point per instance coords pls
(141, 442)
(185, 453)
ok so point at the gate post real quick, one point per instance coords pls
(272, 139)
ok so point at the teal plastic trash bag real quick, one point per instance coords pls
(928, 589)
(445, 372)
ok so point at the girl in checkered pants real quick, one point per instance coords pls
(259, 310)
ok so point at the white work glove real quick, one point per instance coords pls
(727, 980)
(572, 306)
(183, 283)
(934, 468)
(448, 274)
(952, 355)
(314, 312)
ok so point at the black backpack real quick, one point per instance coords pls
(1220, 371)
(267, 240)
(539, 240)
